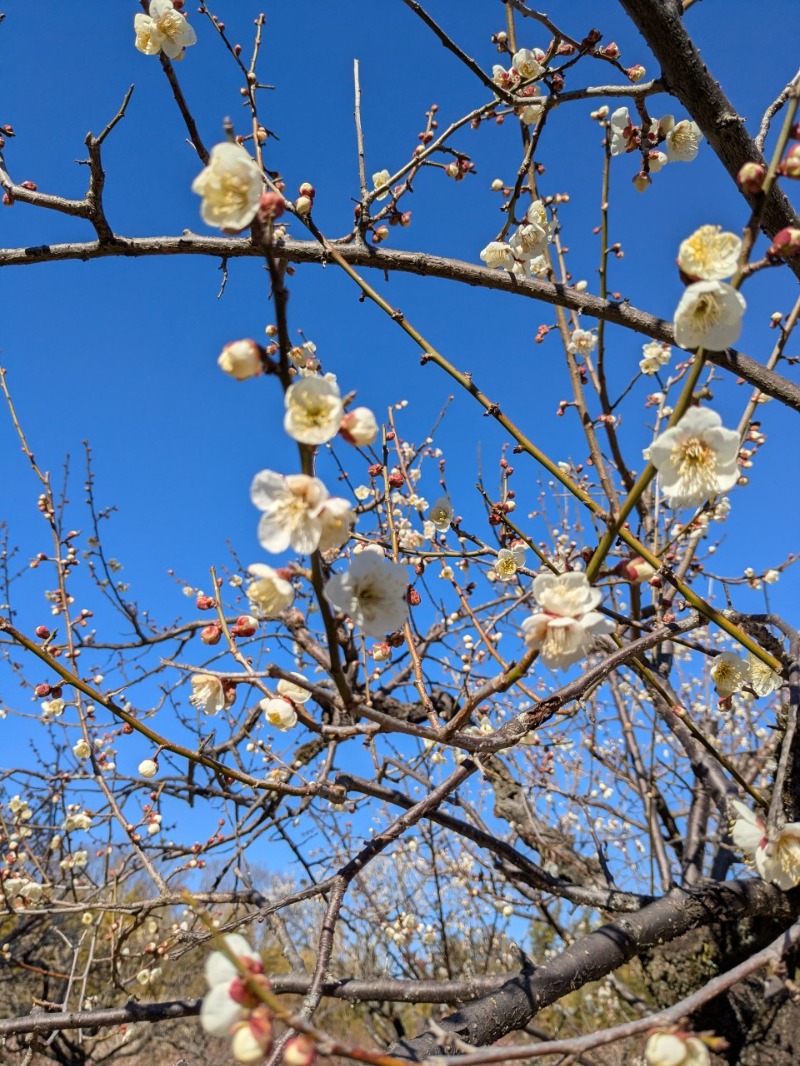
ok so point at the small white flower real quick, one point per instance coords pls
(163, 30)
(292, 508)
(683, 140)
(279, 712)
(338, 519)
(359, 427)
(729, 673)
(270, 593)
(709, 254)
(82, 750)
(148, 768)
(241, 359)
(762, 679)
(509, 560)
(696, 459)
(776, 854)
(526, 62)
(498, 254)
(622, 135)
(78, 820)
(231, 187)
(582, 342)
(372, 592)
(208, 694)
(532, 112)
(656, 161)
(52, 709)
(656, 354)
(669, 1049)
(441, 514)
(709, 314)
(293, 692)
(564, 629)
(529, 241)
(220, 1010)
(313, 410)
(380, 180)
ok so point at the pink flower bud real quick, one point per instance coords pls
(303, 205)
(29, 185)
(42, 632)
(205, 603)
(750, 178)
(241, 359)
(359, 427)
(785, 243)
(271, 205)
(299, 1051)
(413, 597)
(396, 479)
(634, 570)
(636, 73)
(790, 166)
(611, 51)
(211, 634)
(381, 652)
(246, 625)
(307, 190)
(42, 691)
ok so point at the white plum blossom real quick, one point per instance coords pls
(622, 132)
(380, 181)
(508, 561)
(762, 679)
(82, 750)
(682, 139)
(52, 708)
(498, 254)
(231, 187)
(441, 514)
(774, 853)
(673, 1049)
(228, 998)
(730, 673)
(709, 314)
(270, 593)
(527, 63)
(709, 254)
(359, 427)
(77, 820)
(531, 113)
(208, 695)
(292, 507)
(338, 519)
(314, 410)
(655, 355)
(656, 161)
(696, 459)
(291, 691)
(163, 30)
(372, 591)
(148, 768)
(241, 359)
(567, 623)
(582, 342)
(279, 712)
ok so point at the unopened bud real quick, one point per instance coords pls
(148, 768)
(381, 652)
(750, 178)
(396, 479)
(413, 597)
(611, 51)
(303, 205)
(641, 181)
(42, 691)
(497, 185)
(636, 73)
(790, 165)
(299, 1051)
(785, 243)
(211, 634)
(42, 632)
(271, 205)
(246, 625)
(205, 603)
(307, 189)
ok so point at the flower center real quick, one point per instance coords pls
(706, 312)
(696, 463)
(232, 191)
(171, 25)
(506, 567)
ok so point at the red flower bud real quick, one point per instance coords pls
(205, 603)
(271, 205)
(413, 597)
(785, 243)
(245, 626)
(211, 634)
(750, 178)
(42, 632)
(396, 479)
(42, 691)
(375, 469)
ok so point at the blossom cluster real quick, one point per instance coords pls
(774, 852)
(523, 255)
(710, 311)
(681, 140)
(731, 673)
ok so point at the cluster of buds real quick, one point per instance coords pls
(305, 201)
(459, 169)
(789, 166)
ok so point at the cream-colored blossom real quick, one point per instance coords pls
(774, 853)
(655, 355)
(314, 410)
(270, 593)
(82, 750)
(441, 514)
(526, 62)
(220, 1010)
(241, 359)
(359, 427)
(508, 561)
(208, 695)
(564, 629)
(295, 693)
(672, 1049)
(730, 673)
(338, 519)
(372, 591)
(231, 187)
(163, 30)
(696, 459)
(682, 140)
(709, 254)
(498, 254)
(380, 181)
(582, 342)
(292, 507)
(763, 680)
(77, 820)
(622, 133)
(279, 712)
(709, 314)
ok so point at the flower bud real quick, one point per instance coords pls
(252, 1040)
(396, 479)
(381, 652)
(636, 73)
(148, 768)
(42, 691)
(359, 427)
(375, 469)
(303, 205)
(299, 1051)
(42, 632)
(205, 603)
(497, 185)
(413, 597)
(211, 634)
(611, 51)
(307, 190)
(790, 166)
(127, 729)
(246, 625)
(750, 178)
(271, 205)
(634, 570)
(641, 181)
(785, 243)
(242, 360)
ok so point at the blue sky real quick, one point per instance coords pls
(123, 353)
